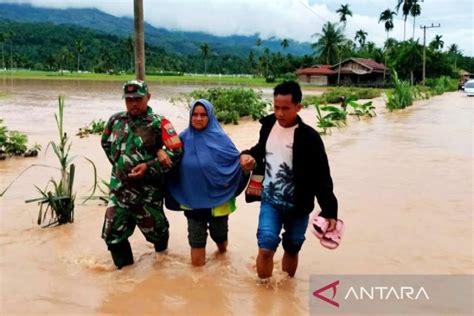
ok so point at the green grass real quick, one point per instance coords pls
(45, 75)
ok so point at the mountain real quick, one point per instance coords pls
(172, 41)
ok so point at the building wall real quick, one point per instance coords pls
(316, 80)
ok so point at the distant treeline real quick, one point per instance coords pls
(46, 46)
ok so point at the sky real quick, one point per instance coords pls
(291, 19)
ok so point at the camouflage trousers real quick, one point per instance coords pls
(121, 219)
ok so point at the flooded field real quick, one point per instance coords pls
(403, 180)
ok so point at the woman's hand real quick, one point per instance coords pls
(247, 162)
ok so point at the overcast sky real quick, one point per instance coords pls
(293, 19)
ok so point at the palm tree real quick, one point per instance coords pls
(361, 36)
(328, 44)
(454, 50)
(344, 11)
(415, 10)
(79, 50)
(437, 42)
(284, 43)
(205, 53)
(387, 17)
(406, 7)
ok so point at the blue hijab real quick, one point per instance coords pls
(209, 173)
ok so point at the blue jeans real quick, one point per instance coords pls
(270, 223)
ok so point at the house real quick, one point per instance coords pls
(353, 71)
(317, 75)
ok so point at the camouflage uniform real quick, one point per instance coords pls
(127, 142)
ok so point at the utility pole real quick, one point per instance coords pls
(139, 40)
(424, 27)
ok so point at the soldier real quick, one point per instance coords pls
(135, 143)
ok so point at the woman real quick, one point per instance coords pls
(207, 180)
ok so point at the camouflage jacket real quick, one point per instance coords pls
(129, 141)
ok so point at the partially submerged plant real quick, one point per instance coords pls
(58, 202)
(323, 121)
(365, 109)
(14, 143)
(94, 128)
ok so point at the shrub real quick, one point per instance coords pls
(401, 96)
(94, 128)
(230, 104)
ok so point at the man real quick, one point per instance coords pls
(132, 140)
(292, 158)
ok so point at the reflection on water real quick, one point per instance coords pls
(403, 180)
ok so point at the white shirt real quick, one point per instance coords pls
(278, 186)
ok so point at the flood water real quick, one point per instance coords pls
(403, 181)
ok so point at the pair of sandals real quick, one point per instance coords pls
(319, 226)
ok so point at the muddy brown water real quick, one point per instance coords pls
(403, 180)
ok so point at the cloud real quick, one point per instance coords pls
(292, 19)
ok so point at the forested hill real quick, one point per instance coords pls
(171, 41)
(46, 46)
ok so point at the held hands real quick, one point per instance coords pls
(247, 162)
(164, 159)
(138, 171)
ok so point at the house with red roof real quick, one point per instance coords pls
(352, 71)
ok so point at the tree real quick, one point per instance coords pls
(3, 39)
(361, 36)
(205, 53)
(387, 17)
(415, 11)
(9, 35)
(405, 5)
(284, 43)
(344, 11)
(437, 42)
(130, 44)
(329, 41)
(79, 50)
(258, 42)
(409, 59)
(453, 50)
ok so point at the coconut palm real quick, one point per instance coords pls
(387, 17)
(328, 44)
(205, 53)
(437, 42)
(79, 50)
(361, 36)
(344, 11)
(415, 11)
(405, 5)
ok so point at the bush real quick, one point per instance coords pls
(441, 85)
(94, 127)
(15, 143)
(230, 104)
(336, 95)
(401, 96)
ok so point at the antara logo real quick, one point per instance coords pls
(332, 286)
(383, 293)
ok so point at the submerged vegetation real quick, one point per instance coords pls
(230, 104)
(96, 127)
(15, 143)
